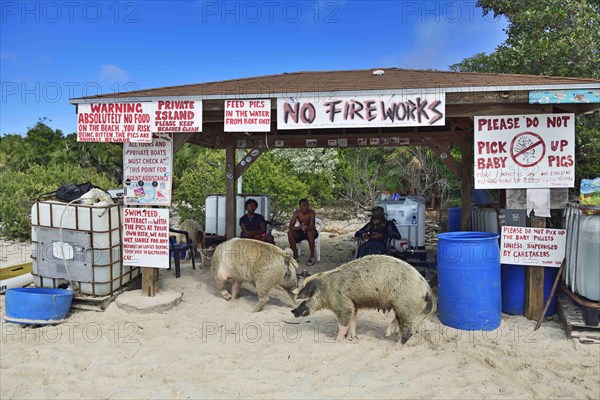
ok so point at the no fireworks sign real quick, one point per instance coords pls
(525, 151)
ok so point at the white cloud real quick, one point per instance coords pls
(111, 72)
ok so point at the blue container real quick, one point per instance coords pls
(454, 217)
(481, 197)
(469, 280)
(37, 305)
(513, 289)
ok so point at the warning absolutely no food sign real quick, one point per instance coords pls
(525, 151)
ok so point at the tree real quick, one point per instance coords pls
(552, 37)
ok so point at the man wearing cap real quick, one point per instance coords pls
(376, 234)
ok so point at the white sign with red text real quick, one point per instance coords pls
(525, 151)
(147, 171)
(146, 237)
(247, 115)
(177, 116)
(361, 111)
(533, 246)
(135, 122)
(114, 122)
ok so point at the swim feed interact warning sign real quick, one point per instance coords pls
(524, 151)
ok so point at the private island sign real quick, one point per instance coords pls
(525, 151)
(361, 111)
(135, 122)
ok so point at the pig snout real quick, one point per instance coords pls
(301, 311)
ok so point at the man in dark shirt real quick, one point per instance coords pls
(376, 234)
(253, 224)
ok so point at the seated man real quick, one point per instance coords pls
(253, 224)
(305, 230)
(376, 234)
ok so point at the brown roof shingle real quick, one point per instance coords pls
(352, 80)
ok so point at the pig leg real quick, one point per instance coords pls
(405, 324)
(352, 329)
(235, 288)
(342, 330)
(263, 296)
(220, 279)
(344, 316)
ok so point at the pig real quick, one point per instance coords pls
(376, 281)
(196, 234)
(262, 264)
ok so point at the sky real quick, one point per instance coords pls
(51, 51)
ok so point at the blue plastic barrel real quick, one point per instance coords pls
(513, 289)
(37, 305)
(454, 217)
(549, 277)
(469, 280)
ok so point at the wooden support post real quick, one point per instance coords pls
(534, 282)
(149, 281)
(230, 217)
(466, 170)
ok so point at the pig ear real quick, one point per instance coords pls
(310, 288)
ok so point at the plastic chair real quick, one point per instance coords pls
(175, 250)
(319, 227)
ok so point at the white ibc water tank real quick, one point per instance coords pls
(409, 213)
(215, 215)
(91, 244)
(216, 211)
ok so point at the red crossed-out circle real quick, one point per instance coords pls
(537, 141)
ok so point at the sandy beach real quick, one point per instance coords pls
(206, 347)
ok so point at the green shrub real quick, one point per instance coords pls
(19, 189)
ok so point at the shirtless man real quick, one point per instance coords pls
(305, 230)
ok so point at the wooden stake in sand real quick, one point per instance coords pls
(560, 271)
(149, 281)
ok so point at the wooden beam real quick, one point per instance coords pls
(466, 170)
(534, 281)
(149, 281)
(179, 139)
(445, 157)
(248, 160)
(230, 217)
(471, 110)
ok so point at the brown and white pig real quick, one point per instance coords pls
(262, 264)
(196, 236)
(377, 281)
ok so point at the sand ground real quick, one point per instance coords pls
(207, 347)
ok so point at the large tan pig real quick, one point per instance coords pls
(379, 282)
(262, 264)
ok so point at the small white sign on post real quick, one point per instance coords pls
(247, 115)
(524, 151)
(533, 246)
(146, 237)
(147, 171)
